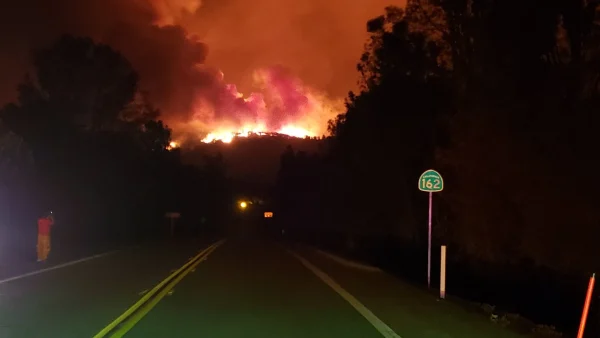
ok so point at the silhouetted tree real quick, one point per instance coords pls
(100, 151)
(500, 96)
(78, 85)
(527, 79)
(391, 125)
(15, 156)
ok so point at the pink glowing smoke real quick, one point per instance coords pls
(281, 103)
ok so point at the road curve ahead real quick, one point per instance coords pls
(221, 289)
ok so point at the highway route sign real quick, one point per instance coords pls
(431, 181)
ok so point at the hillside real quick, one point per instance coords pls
(252, 161)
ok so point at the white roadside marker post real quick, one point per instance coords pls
(443, 273)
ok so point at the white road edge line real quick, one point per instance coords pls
(382, 327)
(63, 265)
(346, 262)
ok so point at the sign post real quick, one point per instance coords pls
(443, 273)
(172, 216)
(430, 181)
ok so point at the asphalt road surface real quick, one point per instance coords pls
(223, 288)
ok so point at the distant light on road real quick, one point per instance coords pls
(243, 205)
(268, 214)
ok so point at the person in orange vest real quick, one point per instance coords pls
(43, 243)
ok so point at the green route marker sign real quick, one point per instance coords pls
(431, 181)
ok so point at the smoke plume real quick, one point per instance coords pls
(189, 52)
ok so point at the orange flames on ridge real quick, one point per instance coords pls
(226, 135)
(282, 105)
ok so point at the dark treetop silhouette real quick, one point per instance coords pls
(500, 96)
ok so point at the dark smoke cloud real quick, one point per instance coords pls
(319, 41)
(165, 57)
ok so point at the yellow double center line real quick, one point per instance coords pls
(120, 326)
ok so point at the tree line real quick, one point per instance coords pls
(501, 97)
(83, 140)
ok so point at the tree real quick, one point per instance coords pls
(502, 97)
(15, 155)
(95, 138)
(154, 136)
(85, 83)
(138, 111)
(391, 125)
(78, 85)
(519, 96)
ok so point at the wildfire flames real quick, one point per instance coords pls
(227, 136)
(281, 104)
(175, 45)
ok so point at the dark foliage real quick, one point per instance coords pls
(502, 98)
(82, 141)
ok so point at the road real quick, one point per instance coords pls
(233, 288)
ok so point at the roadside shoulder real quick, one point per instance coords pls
(407, 309)
(346, 262)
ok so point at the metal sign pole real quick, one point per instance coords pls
(429, 242)
(430, 181)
